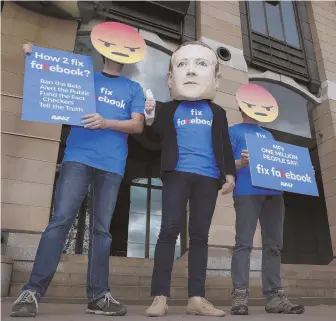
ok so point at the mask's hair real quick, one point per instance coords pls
(194, 42)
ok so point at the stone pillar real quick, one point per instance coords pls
(322, 17)
(219, 25)
(29, 149)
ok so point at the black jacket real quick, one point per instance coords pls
(163, 131)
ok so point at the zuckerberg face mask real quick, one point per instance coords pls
(193, 73)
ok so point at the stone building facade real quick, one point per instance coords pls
(29, 152)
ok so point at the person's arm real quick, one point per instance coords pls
(240, 163)
(244, 160)
(131, 126)
(153, 118)
(152, 113)
(153, 128)
(230, 166)
(150, 105)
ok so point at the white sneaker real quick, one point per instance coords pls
(200, 306)
(158, 308)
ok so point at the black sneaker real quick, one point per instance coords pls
(106, 305)
(26, 305)
(279, 303)
(239, 302)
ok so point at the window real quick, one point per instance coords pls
(276, 20)
(293, 110)
(277, 37)
(145, 218)
(173, 19)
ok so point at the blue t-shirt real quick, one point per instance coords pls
(243, 180)
(193, 123)
(116, 98)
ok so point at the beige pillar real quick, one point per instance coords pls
(218, 24)
(29, 149)
(322, 16)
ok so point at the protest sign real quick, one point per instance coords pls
(58, 87)
(281, 166)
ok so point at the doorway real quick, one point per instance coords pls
(136, 220)
(306, 238)
(137, 217)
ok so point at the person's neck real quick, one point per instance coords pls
(112, 68)
(249, 120)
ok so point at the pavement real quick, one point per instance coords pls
(76, 312)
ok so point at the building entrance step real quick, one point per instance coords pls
(306, 301)
(177, 292)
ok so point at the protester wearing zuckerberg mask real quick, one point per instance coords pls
(197, 162)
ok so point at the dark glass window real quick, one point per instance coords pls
(275, 19)
(293, 110)
(288, 15)
(139, 210)
(277, 37)
(257, 15)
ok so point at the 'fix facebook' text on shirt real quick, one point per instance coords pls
(106, 98)
(195, 120)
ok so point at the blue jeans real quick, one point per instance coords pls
(270, 211)
(71, 189)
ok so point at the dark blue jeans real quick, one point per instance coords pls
(178, 188)
(71, 189)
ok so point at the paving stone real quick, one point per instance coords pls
(76, 312)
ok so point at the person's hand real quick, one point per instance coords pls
(244, 158)
(229, 186)
(150, 103)
(27, 48)
(150, 106)
(94, 121)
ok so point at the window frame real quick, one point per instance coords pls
(147, 15)
(268, 53)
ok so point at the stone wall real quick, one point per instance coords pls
(29, 149)
(218, 24)
(322, 15)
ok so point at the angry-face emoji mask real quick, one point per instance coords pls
(257, 103)
(118, 42)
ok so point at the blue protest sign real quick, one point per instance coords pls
(58, 87)
(281, 166)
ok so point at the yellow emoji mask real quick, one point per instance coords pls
(257, 103)
(118, 42)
